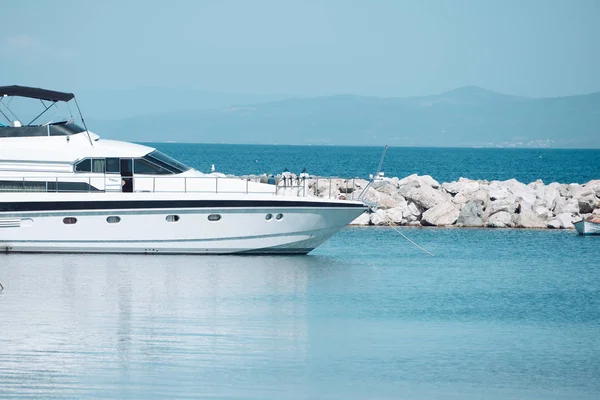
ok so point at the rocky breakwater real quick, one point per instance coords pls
(422, 201)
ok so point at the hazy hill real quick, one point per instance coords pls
(110, 104)
(468, 116)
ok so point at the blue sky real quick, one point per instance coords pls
(381, 48)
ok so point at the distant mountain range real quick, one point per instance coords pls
(466, 117)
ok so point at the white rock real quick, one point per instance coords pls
(566, 205)
(594, 185)
(379, 217)
(386, 201)
(543, 212)
(536, 185)
(497, 192)
(508, 204)
(564, 190)
(412, 213)
(502, 219)
(462, 186)
(427, 197)
(396, 215)
(550, 196)
(554, 224)
(528, 218)
(563, 221)
(414, 181)
(370, 195)
(520, 190)
(385, 185)
(471, 215)
(481, 196)
(588, 203)
(442, 214)
(363, 219)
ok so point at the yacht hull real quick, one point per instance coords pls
(282, 227)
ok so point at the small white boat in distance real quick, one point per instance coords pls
(589, 226)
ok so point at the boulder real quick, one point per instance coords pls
(462, 186)
(564, 190)
(359, 183)
(442, 214)
(582, 191)
(563, 221)
(496, 191)
(508, 204)
(370, 195)
(362, 219)
(386, 201)
(471, 215)
(594, 186)
(550, 196)
(543, 212)
(520, 190)
(379, 217)
(426, 197)
(415, 181)
(385, 185)
(566, 205)
(528, 218)
(412, 213)
(396, 215)
(501, 219)
(481, 196)
(588, 203)
(536, 185)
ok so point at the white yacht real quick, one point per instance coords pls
(64, 189)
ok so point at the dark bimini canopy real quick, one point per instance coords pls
(35, 93)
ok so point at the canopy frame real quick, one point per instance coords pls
(35, 93)
(41, 94)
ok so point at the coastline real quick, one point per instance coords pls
(422, 201)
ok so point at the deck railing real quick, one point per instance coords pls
(323, 187)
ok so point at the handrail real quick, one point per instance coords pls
(324, 187)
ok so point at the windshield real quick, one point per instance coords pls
(168, 163)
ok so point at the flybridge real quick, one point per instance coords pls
(14, 126)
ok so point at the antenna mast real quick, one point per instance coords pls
(83, 121)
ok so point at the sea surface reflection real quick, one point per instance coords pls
(505, 314)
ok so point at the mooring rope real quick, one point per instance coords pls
(390, 222)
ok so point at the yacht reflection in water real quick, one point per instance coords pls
(96, 318)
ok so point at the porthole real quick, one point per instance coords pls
(214, 217)
(172, 218)
(279, 216)
(268, 217)
(113, 220)
(69, 220)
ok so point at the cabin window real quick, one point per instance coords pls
(214, 217)
(113, 219)
(98, 165)
(279, 216)
(69, 221)
(172, 218)
(113, 166)
(84, 166)
(268, 217)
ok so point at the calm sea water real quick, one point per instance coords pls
(444, 164)
(497, 314)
